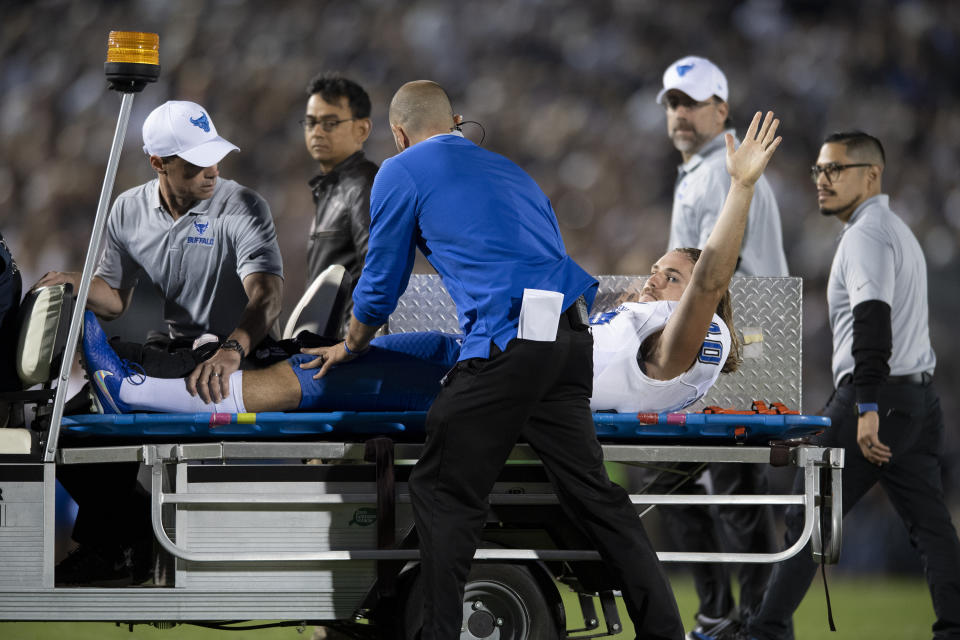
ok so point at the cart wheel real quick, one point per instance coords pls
(501, 602)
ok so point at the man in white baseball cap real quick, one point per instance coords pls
(209, 246)
(180, 128)
(694, 96)
(697, 77)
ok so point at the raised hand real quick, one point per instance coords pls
(746, 163)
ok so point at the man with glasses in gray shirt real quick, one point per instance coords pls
(884, 411)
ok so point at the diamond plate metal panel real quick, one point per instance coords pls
(424, 306)
(772, 371)
(769, 309)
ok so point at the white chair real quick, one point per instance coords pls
(44, 321)
(320, 310)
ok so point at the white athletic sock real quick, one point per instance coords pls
(169, 395)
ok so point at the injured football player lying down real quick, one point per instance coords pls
(403, 371)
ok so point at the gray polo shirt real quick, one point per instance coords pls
(878, 258)
(699, 194)
(197, 262)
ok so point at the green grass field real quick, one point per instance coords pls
(863, 608)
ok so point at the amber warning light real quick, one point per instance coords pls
(133, 59)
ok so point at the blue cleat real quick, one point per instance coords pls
(105, 369)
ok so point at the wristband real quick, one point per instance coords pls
(351, 352)
(863, 407)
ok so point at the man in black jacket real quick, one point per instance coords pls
(10, 289)
(335, 126)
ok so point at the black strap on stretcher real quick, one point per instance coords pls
(380, 452)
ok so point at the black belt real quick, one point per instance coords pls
(922, 379)
(576, 314)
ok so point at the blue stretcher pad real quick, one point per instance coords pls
(350, 425)
(717, 428)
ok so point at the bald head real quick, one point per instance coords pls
(421, 109)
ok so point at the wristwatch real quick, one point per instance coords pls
(233, 345)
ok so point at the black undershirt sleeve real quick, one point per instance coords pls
(872, 346)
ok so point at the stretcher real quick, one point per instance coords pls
(669, 428)
(254, 533)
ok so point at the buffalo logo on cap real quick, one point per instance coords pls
(683, 68)
(201, 122)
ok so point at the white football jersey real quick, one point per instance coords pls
(619, 383)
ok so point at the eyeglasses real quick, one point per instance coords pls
(674, 102)
(832, 170)
(326, 125)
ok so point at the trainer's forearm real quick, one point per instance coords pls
(719, 258)
(359, 335)
(105, 301)
(264, 294)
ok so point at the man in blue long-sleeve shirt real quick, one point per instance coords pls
(490, 232)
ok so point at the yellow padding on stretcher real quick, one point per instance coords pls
(246, 418)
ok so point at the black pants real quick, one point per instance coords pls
(537, 391)
(911, 424)
(730, 529)
(112, 511)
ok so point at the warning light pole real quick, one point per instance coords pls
(133, 60)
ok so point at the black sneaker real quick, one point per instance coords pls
(103, 565)
(715, 629)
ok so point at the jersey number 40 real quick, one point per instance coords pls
(711, 351)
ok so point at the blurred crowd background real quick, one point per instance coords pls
(566, 88)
